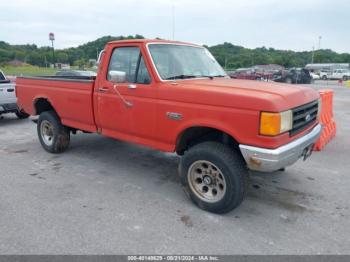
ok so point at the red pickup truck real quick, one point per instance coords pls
(175, 97)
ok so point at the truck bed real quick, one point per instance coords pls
(74, 94)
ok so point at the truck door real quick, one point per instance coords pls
(126, 110)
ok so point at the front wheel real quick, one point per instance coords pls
(53, 136)
(214, 176)
(345, 78)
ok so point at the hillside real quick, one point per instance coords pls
(227, 54)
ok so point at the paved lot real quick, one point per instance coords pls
(106, 196)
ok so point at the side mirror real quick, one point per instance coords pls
(117, 76)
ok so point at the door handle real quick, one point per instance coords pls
(132, 86)
(103, 89)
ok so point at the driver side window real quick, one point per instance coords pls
(130, 61)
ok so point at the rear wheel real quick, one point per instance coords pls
(324, 77)
(53, 136)
(214, 176)
(345, 78)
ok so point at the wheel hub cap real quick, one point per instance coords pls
(206, 181)
(46, 132)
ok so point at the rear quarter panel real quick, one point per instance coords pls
(71, 99)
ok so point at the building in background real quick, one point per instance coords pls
(16, 62)
(268, 68)
(60, 66)
(327, 67)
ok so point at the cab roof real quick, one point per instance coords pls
(147, 41)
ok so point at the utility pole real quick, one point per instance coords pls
(319, 42)
(313, 53)
(173, 21)
(52, 38)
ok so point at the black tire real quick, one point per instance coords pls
(345, 78)
(60, 135)
(232, 167)
(22, 114)
(324, 77)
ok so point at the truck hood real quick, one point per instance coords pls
(244, 94)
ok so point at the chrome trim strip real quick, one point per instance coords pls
(57, 79)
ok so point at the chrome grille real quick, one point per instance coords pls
(304, 116)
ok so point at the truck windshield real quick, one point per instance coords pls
(174, 61)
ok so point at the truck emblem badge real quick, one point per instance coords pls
(308, 117)
(174, 116)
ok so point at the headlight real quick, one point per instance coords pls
(272, 124)
(319, 108)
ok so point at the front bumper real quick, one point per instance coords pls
(268, 160)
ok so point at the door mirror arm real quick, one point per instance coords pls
(127, 103)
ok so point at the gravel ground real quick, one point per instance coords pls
(109, 197)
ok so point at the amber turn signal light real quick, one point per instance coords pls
(272, 124)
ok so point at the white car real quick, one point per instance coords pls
(343, 74)
(315, 76)
(338, 74)
(325, 75)
(8, 100)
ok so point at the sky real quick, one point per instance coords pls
(281, 24)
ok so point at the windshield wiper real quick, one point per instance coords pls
(180, 77)
(193, 76)
(212, 76)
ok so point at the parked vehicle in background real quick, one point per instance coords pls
(8, 98)
(315, 76)
(327, 67)
(340, 74)
(11, 78)
(293, 76)
(267, 71)
(244, 73)
(257, 72)
(324, 74)
(76, 73)
(250, 74)
(175, 97)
